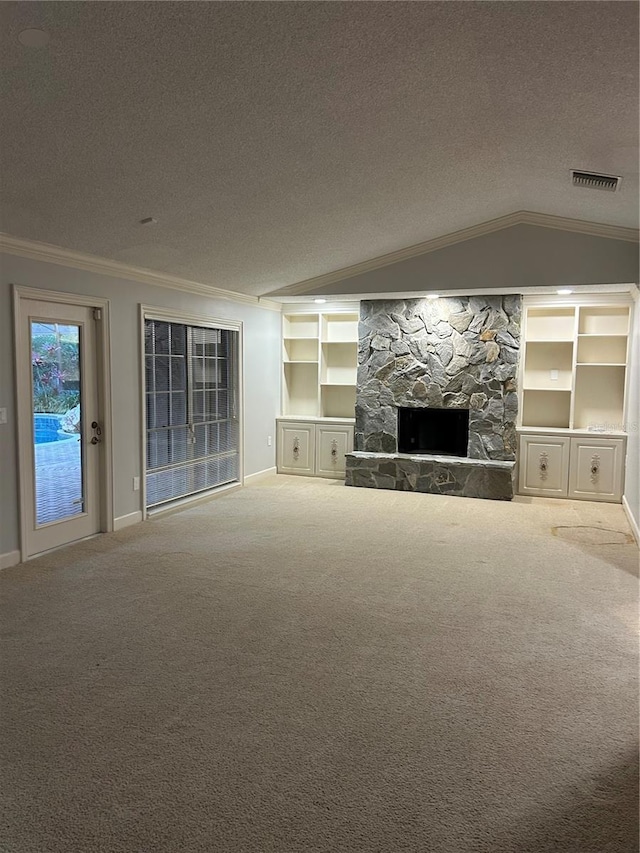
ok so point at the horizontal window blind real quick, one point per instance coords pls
(192, 419)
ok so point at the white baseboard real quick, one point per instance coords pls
(11, 558)
(127, 520)
(633, 524)
(267, 472)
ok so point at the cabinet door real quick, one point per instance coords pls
(332, 442)
(596, 469)
(544, 465)
(296, 448)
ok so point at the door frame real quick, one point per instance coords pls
(103, 378)
(170, 315)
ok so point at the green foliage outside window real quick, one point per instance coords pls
(55, 368)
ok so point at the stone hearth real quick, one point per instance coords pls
(442, 475)
(444, 353)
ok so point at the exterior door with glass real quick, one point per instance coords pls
(192, 417)
(60, 431)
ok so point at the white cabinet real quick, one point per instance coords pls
(544, 465)
(296, 448)
(332, 444)
(596, 469)
(569, 466)
(313, 448)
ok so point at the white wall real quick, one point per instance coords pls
(261, 374)
(632, 478)
(518, 257)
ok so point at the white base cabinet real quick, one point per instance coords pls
(296, 448)
(595, 469)
(576, 467)
(313, 448)
(332, 445)
(544, 465)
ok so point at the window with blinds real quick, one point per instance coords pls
(192, 419)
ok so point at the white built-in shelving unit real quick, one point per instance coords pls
(572, 396)
(575, 360)
(320, 357)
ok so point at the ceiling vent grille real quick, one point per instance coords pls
(594, 181)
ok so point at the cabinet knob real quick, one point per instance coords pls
(334, 452)
(543, 465)
(296, 448)
(595, 468)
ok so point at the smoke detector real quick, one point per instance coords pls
(595, 181)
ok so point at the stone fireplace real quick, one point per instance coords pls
(443, 371)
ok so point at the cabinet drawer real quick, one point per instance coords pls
(544, 465)
(332, 443)
(296, 448)
(596, 469)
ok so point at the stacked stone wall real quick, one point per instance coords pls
(442, 353)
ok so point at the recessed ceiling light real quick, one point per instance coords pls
(320, 301)
(564, 291)
(433, 296)
(34, 38)
(149, 221)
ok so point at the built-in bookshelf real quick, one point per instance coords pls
(574, 367)
(320, 356)
(572, 397)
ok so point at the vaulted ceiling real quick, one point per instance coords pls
(275, 142)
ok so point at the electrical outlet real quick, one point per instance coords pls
(553, 375)
(269, 440)
(136, 484)
(3, 416)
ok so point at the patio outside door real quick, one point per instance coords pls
(61, 435)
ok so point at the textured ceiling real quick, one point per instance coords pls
(274, 142)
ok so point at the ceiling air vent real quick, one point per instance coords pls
(594, 181)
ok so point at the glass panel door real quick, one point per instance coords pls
(57, 419)
(60, 435)
(213, 395)
(192, 421)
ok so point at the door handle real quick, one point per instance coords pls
(95, 426)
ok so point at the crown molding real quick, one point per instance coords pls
(580, 226)
(521, 217)
(92, 263)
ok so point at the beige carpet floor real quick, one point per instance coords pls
(301, 666)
